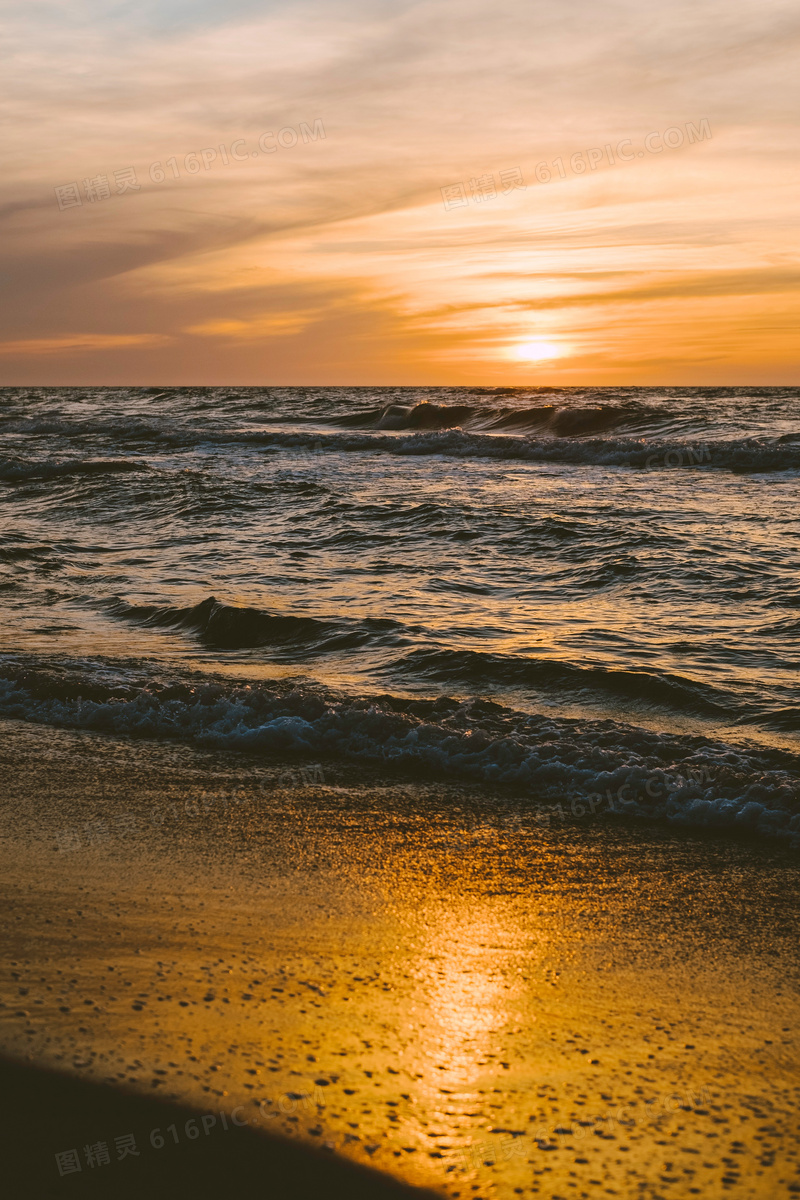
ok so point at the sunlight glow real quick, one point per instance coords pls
(538, 351)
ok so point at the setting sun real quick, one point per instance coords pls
(538, 351)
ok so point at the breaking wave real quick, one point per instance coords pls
(558, 420)
(571, 438)
(650, 775)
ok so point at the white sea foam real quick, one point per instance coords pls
(647, 775)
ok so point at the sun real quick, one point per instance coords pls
(537, 351)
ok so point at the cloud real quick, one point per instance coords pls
(80, 342)
(282, 325)
(348, 230)
(678, 286)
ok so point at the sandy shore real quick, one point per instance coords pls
(423, 979)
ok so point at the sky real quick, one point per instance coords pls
(378, 192)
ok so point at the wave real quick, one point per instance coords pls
(455, 431)
(558, 420)
(15, 470)
(746, 455)
(114, 428)
(232, 627)
(644, 774)
(472, 667)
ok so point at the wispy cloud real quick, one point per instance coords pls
(80, 342)
(331, 259)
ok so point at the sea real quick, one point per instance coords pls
(585, 600)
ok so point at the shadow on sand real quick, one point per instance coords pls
(45, 1114)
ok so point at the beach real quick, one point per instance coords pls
(400, 601)
(420, 978)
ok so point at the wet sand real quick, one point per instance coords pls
(424, 979)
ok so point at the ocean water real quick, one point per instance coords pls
(587, 598)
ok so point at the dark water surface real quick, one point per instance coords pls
(588, 595)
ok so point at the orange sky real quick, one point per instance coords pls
(657, 242)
